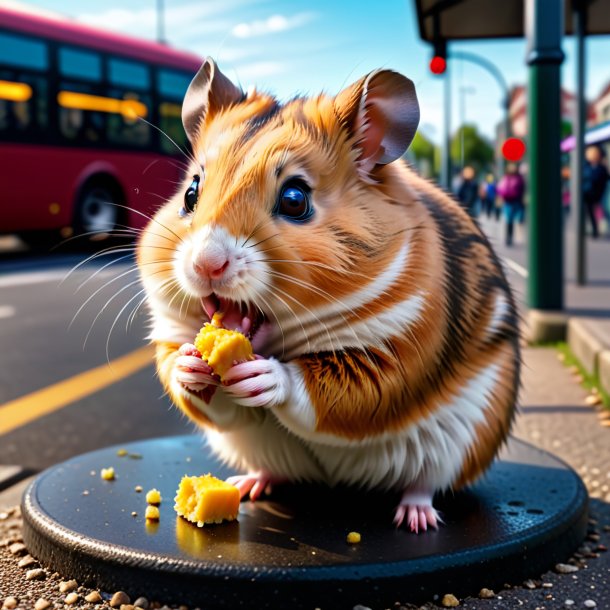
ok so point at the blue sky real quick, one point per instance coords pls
(300, 46)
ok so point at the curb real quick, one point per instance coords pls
(546, 326)
(589, 340)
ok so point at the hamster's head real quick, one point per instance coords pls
(281, 213)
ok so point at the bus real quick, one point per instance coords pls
(82, 117)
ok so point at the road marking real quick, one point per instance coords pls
(7, 311)
(23, 410)
(516, 267)
(19, 279)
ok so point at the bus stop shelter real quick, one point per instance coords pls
(543, 22)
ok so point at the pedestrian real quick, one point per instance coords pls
(512, 189)
(468, 191)
(595, 177)
(487, 194)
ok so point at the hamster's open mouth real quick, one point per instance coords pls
(243, 317)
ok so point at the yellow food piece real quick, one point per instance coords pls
(122, 452)
(152, 513)
(206, 499)
(153, 496)
(354, 538)
(107, 474)
(220, 347)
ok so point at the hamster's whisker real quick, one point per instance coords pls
(114, 279)
(262, 241)
(272, 311)
(186, 153)
(151, 218)
(106, 304)
(323, 293)
(100, 269)
(320, 322)
(263, 223)
(290, 311)
(156, 289)
(110, 250)
(312, 264)
(116, 319)
(344, 320)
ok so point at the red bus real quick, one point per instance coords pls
(72, 144)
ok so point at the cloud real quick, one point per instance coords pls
(181, 22)
(258, 69)
(272, 25)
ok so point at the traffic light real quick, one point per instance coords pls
(438, 63)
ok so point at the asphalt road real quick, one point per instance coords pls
(55, 401)
(42, 345)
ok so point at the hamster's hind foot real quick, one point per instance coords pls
(254, 483)
(416, 510)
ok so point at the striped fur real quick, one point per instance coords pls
(392, 327)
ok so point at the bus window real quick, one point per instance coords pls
(126, 128)
(82, 65)
(77, 123)
(172, 86)
(128, 74)
(23, 52)
(23, 103)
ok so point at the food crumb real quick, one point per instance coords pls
(107, 474)
(354, 538)
(133, 513)
(122, 452)
(153, 496)
(138, 488)
(485, 593)
(450, 601)
(42, 604)
(152, 513)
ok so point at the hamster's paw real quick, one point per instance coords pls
(263, 382)
(255, 483)
(193, 374)
(416, 507)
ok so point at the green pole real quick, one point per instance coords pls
(544, 28)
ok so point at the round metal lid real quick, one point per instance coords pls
(291, 547)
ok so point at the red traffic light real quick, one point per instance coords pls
(438, 65)
(513, 149)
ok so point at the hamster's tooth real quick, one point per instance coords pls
(210, 305)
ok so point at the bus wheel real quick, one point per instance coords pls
(97, 210)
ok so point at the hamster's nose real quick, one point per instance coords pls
(212, 266)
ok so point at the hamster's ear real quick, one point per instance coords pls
(382, 113)
(209, 91)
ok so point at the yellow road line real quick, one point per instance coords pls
(47, 400)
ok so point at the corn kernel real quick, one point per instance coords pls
(153, 496)
(354, 538)
(107, 474)
(152, 513)
(121, 452)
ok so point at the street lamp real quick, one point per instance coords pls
(464, 91)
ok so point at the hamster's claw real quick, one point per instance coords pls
(417, 508)
(254, 483)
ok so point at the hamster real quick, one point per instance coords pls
(386, 335)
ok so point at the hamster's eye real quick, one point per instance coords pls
(294, 201)
(191, 196)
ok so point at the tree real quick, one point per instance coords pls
(424, 153)
(478, 152)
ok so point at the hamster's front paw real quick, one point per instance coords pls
(193, 374)
(263, 382)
